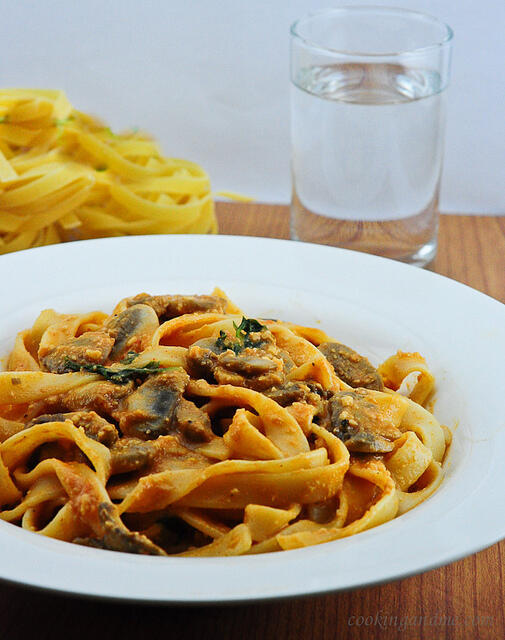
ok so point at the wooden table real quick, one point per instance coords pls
(468, 593)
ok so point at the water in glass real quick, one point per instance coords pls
(367, 142)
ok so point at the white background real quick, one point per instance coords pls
(210, 80)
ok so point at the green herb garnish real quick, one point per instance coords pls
(224, 343)
(242, 335)
(101, 168)
(118, 376)
(130, 357)
(4, 119)
(247, 326)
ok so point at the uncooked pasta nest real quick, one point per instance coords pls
(178, 425)
(64, 176)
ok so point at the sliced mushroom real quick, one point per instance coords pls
(168, 307)
(116, 537)
(249, 371)
(150, 409)
(290, 392)
(92, 347)
(94, 426)
(131, 330)
(247, 365)
(157, 408)
(131, 454)
(358, 421)
(256, 368)
(192, 423)
(202, 358)
(351, 367)
(103, 397)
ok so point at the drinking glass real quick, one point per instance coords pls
(367, 128)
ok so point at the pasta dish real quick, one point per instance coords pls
(178, 425)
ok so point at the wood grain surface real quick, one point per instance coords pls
(464, 600)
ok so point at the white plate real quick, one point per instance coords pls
(376, 306)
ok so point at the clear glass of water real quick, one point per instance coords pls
(367, 129)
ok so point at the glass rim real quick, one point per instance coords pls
(446, 40)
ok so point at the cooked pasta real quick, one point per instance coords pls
(65, 176)
(178, 426)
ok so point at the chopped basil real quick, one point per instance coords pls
(118, 376)
(242, 334)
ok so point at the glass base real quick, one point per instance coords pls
(412, 240)
(423, 256)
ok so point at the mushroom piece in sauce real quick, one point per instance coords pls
(351, 367)
(92, 347)
(355, 418)
(171, 306)
(131, 330)
(157, 408)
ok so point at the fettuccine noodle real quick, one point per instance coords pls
(176, 426)
(65, 176)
